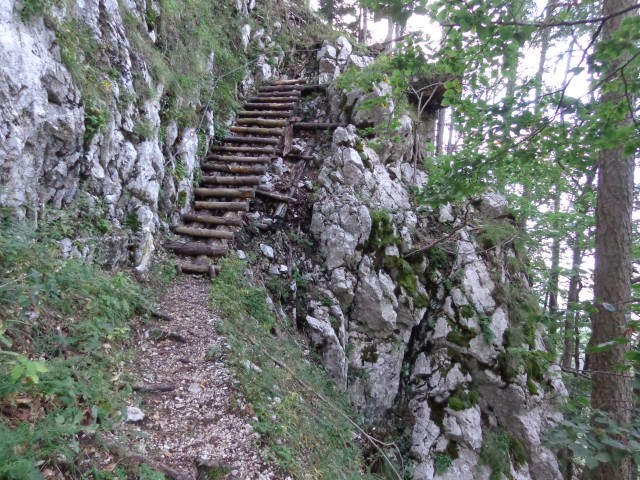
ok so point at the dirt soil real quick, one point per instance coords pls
(200, 418)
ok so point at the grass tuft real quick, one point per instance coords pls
(306, 436)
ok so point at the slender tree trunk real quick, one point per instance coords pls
(363, 32)
(554, 272)
(571, 315)
(610, 389)
(442, 116)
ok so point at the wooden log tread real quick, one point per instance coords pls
(237, 159)
(223, 148)
(261, 122)
(266, 132)
(278, 99)
(265, 114)
(269, 106)
(224, 192)
(198, 268)
(238, 169)
(290, 81)
(212, 220)
(202, 232)
(252, 140)
(230, 206)
(225, 180)
(196, 249)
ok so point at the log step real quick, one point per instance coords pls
(223, 180)
(293, 95)
(212, 220)
(195, 249)
(269, 106)
(290, 81)
(278, 99)
(224, 192)
(238, 169)
(229, 206)
(198, 268)
(202, 232)
(280, 88)
(237, 159)
(265, 132)
(261, 122)
(264, 114)
(256, 140)
(223, 148)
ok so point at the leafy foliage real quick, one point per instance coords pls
(60, 320)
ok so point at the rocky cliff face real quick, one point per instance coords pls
(442, 341)
(121, 156)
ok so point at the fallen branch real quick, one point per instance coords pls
(159, 387)
(162, 316)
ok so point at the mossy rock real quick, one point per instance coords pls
(401, 271)
(383, 233)
(467, 311)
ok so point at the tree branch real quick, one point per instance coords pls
(572, 23)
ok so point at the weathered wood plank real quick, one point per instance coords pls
(195, 249)
(225, 180)
(202, 232)
(212, 220)
(239, 169)
(224, 192)
(231, 206)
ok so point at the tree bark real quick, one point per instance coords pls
(571, 315)
(554, 272)
(611, 390)
(442, 115)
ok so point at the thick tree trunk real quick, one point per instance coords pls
(610, 389)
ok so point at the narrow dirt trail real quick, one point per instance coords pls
(200, 417)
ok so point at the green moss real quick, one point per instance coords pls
(370, 354)
(500, 449)
(457, 404)
(383, 232)
(442, 463)
(485, 328)
(532, 388)
(400, 270)
(467, 311)
(421, 300)
(462, 337)
(182, 199)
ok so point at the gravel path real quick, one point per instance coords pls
(203, 419)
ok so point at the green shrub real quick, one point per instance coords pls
(69, 310)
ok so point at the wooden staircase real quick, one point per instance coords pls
(233, 172)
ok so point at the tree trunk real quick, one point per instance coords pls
(554, 272)
(442, 116)
(363, 32)
(571, 315)
(610, 389)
